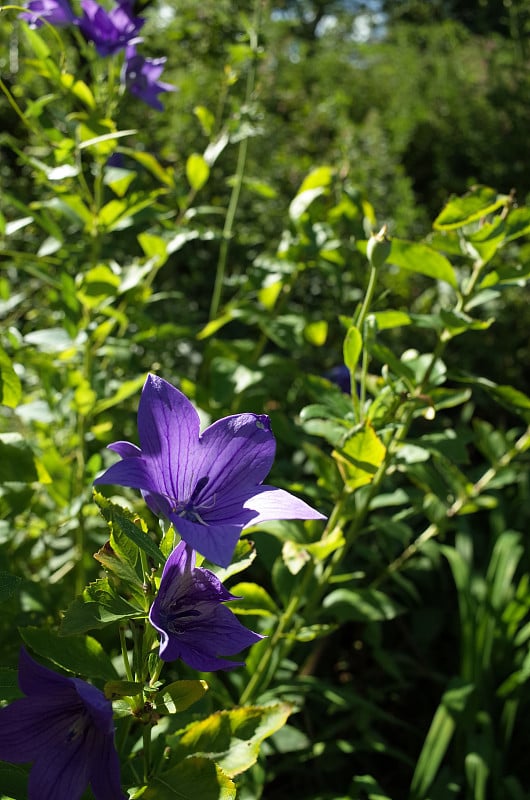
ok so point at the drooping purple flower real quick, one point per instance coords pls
(56, 12)
(110, 31)
(140, 75)
(209, 486)
(189, 614)
(64, 726)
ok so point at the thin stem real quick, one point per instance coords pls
(125, 655)
(454, 509)
(146, 736)
(367, 301)
(238, 178)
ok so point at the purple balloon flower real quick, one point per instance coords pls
(56, 12)
(110, 31)
(188, 613)
(209, 486)
(140, 76)
(64, 725)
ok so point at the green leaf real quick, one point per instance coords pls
(14, 781)
(115, 689)
(81, 655)
(418, 257)
(451, 708)
(9, 689)
(316, 332)
(179, 696)
(126, 390)
(17, 462)
(206, 118)
(150, 163)
(230, 738)
(353, 345)
(8, 585)
(361, 605)
(391, 319)
(360, 457)
(98, 607)
(192, 779)
(302, 201)
(10, 388)
(254, 600)
(197, 171)
(120, 517)
(320, 177)
(460, 211)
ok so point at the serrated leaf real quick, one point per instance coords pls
(117, 516)
(81, 655)
(230, 738)
(98, 607)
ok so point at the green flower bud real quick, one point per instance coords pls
(378, 248)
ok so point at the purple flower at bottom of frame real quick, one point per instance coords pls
(110, 31)
(65, 727)
(56, 12)
(189, 614)
(140, 75)
(208, 485)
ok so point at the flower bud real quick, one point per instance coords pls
(378, 248)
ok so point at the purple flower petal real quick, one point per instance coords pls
(209, 486)
(140, 76)
(190, 618)
(236, 453)
(56, 12)
(168, 427)
(215, 542)
(271, 503)
(111, 31)
(65, 727)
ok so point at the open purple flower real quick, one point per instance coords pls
(110, 31)
(209, 486)
(64, 725)
(56, 12)
(188, 613)
(140, 75)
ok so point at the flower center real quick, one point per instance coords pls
(178, 621)
(77, 728)
(188, 509)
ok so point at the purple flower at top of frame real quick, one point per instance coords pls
(140, 75)
(56, 12)
(208, 485)
(110, 31)
(65, 727)
(189, 614)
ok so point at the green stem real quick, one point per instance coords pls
(146, 736)
(125, 655)
(368, 297)
(238, 178)
(434, 529)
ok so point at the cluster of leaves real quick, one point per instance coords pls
(397, 639)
